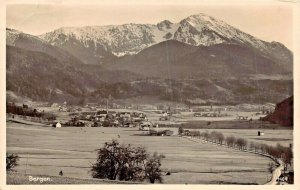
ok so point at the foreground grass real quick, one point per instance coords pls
(15, 178)
(47, 150)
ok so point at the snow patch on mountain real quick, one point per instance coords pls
(13, 35)
(120, 40)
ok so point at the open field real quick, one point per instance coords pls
(234, 124)
(47, 150)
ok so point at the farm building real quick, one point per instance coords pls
(242, 118)
(63, 109)
(209, 114)
(74, 122)
(101, 113)
(260, 133)
(112, 113)
(58, 125)
(168, 132)
(197, 114)
(125, 114)
(164, 118)
(128, 124)
(160, 133)
(186, 133)
(145, 126)
(137, 119)
(54, 105)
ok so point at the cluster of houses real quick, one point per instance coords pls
(165, 116)
(65, 107)
(109, 118)
(106, 118)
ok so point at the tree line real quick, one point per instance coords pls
(24, 110)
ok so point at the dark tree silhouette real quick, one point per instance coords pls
(230, 141)
(124, 162)
(180, 130)
(241, 143)
(11, 161)
(152, 168)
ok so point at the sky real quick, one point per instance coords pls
(267, 22)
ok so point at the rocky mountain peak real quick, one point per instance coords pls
(165, 24)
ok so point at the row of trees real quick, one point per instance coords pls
(124, 162)
(276, 152)
(219, 138)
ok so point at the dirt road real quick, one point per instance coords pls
(276, 174)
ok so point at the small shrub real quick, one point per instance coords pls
(11, 161)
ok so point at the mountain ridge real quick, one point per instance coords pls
(177, 60)
(129, 39)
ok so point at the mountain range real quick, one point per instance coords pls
(102, 42)
(199, 58)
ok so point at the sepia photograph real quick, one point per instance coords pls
(149, 93)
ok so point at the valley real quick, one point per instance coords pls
(216, 101)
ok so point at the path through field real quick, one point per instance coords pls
(276, 174)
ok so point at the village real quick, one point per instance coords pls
(163, 123)
(143, 117)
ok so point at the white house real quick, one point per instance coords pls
(57, 125)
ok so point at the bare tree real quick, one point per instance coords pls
(287, 157)
(252, 146)
(220, 138)
(206, 136)
(256, 147)
(230, 141)
(263, 148)
(180, 130)
(241, 143)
